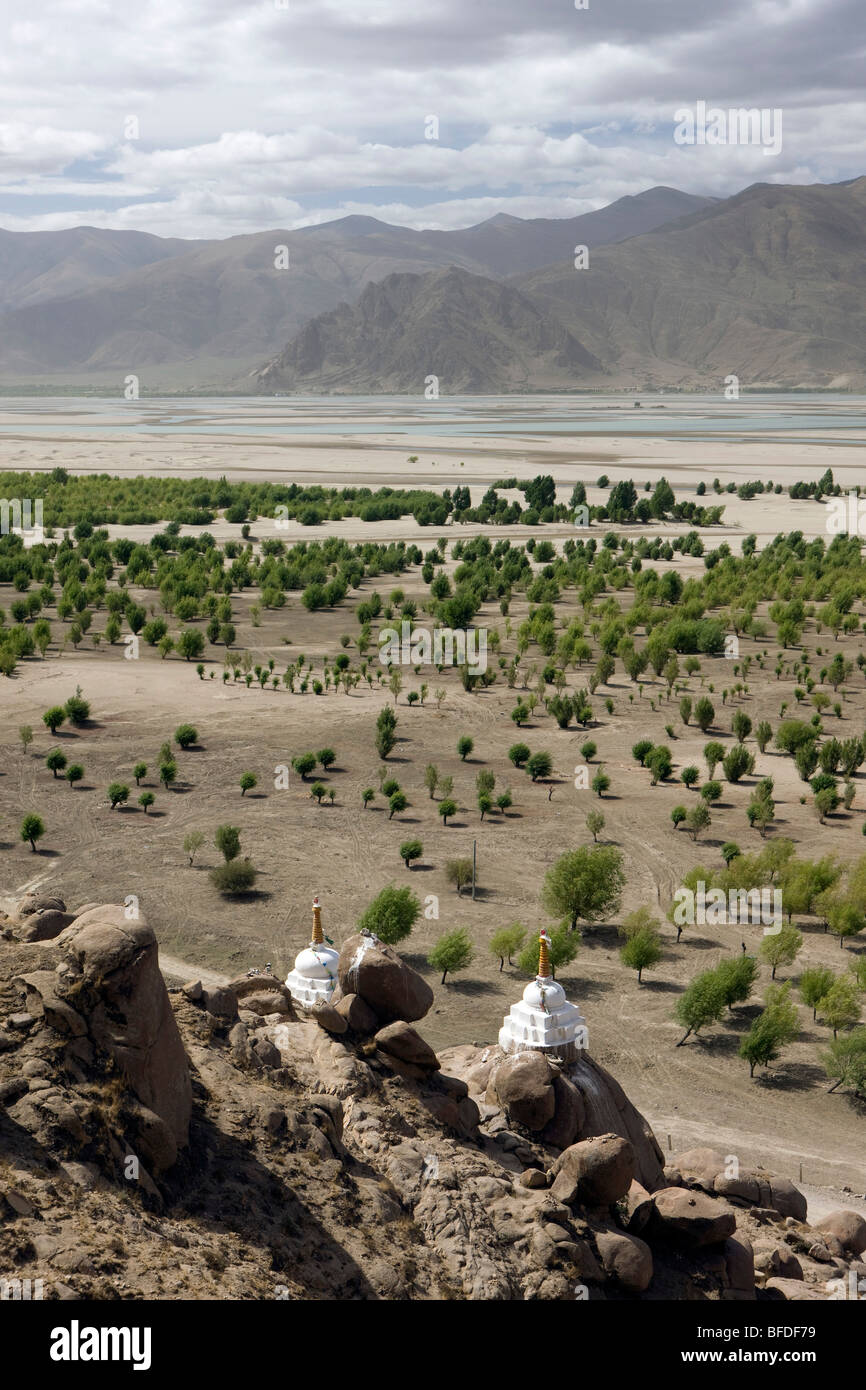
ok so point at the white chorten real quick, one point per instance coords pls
(544, 1020)
(314, 977)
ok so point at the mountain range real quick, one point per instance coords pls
(675, 290)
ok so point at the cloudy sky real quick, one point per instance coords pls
(207, 118)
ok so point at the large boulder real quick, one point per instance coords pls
(596, 1172)
(357, 1013)
(608, 1110)
(524, 1085)
(111, 974)
(627, 1258)
(848, 1227)
(44, 924)
(691, 1218)
(39, 902)
(569, 1115)
(402, 1042)
(708, 1169)
(383, 980)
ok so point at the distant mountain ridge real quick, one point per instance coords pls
(769, 285)
(99, 303)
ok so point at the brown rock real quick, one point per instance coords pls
(329, 1018)
(358, 1014)
(568, 1116)
(267, 1053)
(691, 1218)
(533, 1178)
(793, 1290)
(220, 1001)
(638, 1208)
(627, 1258)
(265, 1004)
(44, 925)
(787, 1199)
(39, 902)
(114, 968)
(524, 1085)
(596, 1172)
(740, 1264)
(848, 1227)
(401, 1041)
(608, 1110)
(778, 1260)
(192, 990)
(383, 980)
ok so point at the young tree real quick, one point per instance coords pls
(641, 749)
(397, 802)
(395, 682)
(698, 819)
(518, 754)
(678, 815)
(409, 850)
(139, 771)
(431, 779)
(327, 757)
(74, 773)
(506, 942)
(585, 884)
(689, 775)
(781, 947)
(192, 843)
(386, 736)
(641, 951)
(840, 1006)
(185, 735)
(588, 751)
(54, 717)
(447, 808)
(539, 766)
(304, 764)
(25, 733)
(32, 829)
(594, 823)
(845, 1062)
(737, 976)
(234, 878)
(452, 952)
(391, 915)
(660, 764)
(737, 763)
(814, 984)
(459, 872)
(227, 840)
(702, 1003)
(248, 780)
(56, 761)
(763, 734)
(145, 800)
(685, 709)
(190, 643)
(118, 793)
(168, 772)
(741, 725)
(704, 713)
(464, 746)
(317, 791)
(713, 754)
(763, 1042)
(367, 795)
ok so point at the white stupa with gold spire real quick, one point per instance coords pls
(544, 1020)
(314, 977)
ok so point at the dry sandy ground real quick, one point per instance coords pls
(697, 1093)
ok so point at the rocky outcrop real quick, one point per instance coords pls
(390, 987)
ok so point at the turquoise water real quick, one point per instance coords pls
(702, 417)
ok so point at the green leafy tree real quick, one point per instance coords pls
(234, 878)
(118, 793)
(327, 757)
(738, 763)
(386, 735)
(192, 843)
(74, 773)
(304, 764)
(702, 1003)
(447, 808)
(840, 1006)
(56, 761)
(459, 872)
(539, 766)
(248, 780)
(431, 779)
(317, 791)
(713, 754)
(168, 772)
(397, 802)
(641, 749)
(409, 850)
(506, 942)
(25, 733)
(689, 775)
(738, 976)
(845, 1062)
(367, 795)
(139, 771)
(54, 717)
(641, 951)
(227, 839)
(391, 915)
(585, 884)
(814, 984)
(698, 818)
(704, 713)
(595, 823)
(452, 952)
(781, 947)
(145, 800)
(465, 746)
(32, 829)
(185, 735)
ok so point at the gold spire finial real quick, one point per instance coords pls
(543, 957)
(318, 935)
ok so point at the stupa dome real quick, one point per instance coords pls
(544, 1020)
(314, 977)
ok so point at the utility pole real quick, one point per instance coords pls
(474, 849)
